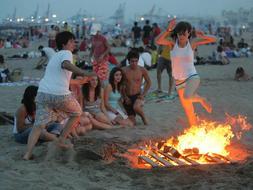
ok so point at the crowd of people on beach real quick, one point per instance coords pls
(99, 98)
(74, 97)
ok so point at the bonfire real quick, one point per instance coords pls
(209, 142)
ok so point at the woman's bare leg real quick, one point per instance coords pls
(188, 107)
(124, 122)
(191, 94)
(102, 118)
(99, 125)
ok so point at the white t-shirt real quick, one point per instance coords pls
(56, 79)
(220, 55)
(147, 58)
(49, 52)
(28, 121)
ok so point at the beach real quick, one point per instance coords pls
(73, 170)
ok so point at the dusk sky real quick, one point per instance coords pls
(105, 8)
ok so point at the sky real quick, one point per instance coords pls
(105, 8)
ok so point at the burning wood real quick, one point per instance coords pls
(158, 158)
(202, 144)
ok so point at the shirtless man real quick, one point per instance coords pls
(134, 96)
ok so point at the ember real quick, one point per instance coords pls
(205, 143)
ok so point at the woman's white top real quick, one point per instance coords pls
(182, 61)
(28, 121)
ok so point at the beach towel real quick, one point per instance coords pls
(159, 97)
(23, 82)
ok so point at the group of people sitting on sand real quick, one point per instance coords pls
(79, 104)
(101, 108)
(68, 107)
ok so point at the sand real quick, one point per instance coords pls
(66, 170)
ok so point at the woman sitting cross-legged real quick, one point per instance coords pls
(24, 119)
(93, 103)
(112, 98)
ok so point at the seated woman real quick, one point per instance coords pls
(24, 119)
(112, 97)
(4, 71)
(84, 124)
(221, 56)
(93, 103)
(240, 74)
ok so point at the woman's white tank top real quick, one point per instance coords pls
(28, 121)
(182, 62)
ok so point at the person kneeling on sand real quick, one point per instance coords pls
(24, 119)
(113, 96)
(133, 95)
(54, 98)
(240, 74)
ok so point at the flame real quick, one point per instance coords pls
(206, 139)
(211, 136)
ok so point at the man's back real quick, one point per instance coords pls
(146, 31)
(137, 31)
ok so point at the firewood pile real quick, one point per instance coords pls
(170, 157)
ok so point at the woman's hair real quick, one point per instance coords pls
(181, 27)
(111, 79)
(239, 71)
(86, 90)
(29, 99)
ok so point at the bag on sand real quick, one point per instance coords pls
(16, 75)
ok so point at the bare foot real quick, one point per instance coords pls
(207, 105)
(28, 156)
(64, 144)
